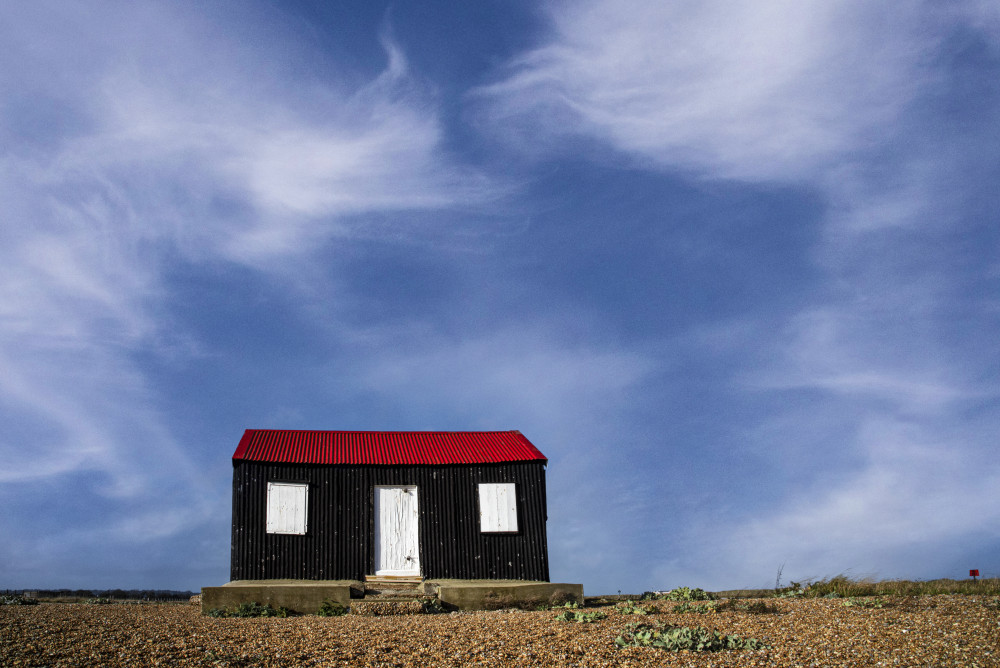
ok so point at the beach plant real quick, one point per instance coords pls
(568, 605)
(433, 606)
(14, 599)
(254, 609)
(630, 608)
(683, 638)
(686, 594)
(580, 617)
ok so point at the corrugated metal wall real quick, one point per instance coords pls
(339, 543)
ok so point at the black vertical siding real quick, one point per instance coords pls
(339, 543)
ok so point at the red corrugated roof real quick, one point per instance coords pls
(293, 446)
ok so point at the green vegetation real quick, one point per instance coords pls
(793, 591)
(331, 609)
(680, 638)
(569, 605)
(495, 601)
(433, 606)
(580, 617)
(251, 609)
(871, 603)
(842, 586)
(686, 594)
(562, 599)
(754, 607)
(100, 600)
(700, 609)
(630, 608)
(13, 599)
(117, 595)
(257, 610)
(744, 593)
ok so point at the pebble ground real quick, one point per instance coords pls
(926, 631)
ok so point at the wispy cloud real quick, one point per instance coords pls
(920, 489)
(840, 99)
(841, 351)
(773, 90)
(138, 135)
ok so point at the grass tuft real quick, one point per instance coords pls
(869, 603)
(754, 607)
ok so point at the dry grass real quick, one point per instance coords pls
(914, 631)
(845, 586)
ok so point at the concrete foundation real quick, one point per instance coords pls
(493, 594)
(306, 596)
(302, 596)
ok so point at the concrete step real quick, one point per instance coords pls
(393, 597)
(413, 593)
(377, 607)
(393, 585)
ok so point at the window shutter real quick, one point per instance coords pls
(497, 507)
(287, 507)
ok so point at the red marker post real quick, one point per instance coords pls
(975, 574)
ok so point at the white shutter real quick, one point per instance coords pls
(287, 507)
(497, 507)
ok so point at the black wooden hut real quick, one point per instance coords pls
(342, 505)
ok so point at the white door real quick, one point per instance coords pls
(396, 544)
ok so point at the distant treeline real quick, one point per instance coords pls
(129, 594)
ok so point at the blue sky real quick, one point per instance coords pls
(734, 267)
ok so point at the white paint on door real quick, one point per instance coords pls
(497, 507)
(396, 542)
